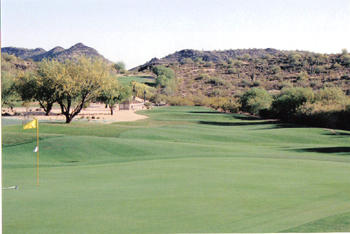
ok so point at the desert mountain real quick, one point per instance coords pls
(209, 56)
(58, 53)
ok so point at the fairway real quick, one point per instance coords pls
(182, 170)
(140, 79)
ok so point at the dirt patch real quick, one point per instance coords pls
(95, 112)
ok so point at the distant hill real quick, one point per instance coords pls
(231, 72)
(58, 53)
(209, 56)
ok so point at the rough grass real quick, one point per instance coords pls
(184, 169)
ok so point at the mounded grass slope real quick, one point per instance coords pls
(184, 169)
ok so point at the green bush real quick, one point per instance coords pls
(254, 100)
(287, 102)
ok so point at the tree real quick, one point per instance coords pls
(163, 74)
(42, 85)
(119, 66)
(83, 81)
(114, 93)
(8, 94)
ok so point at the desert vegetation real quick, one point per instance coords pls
(313, 87)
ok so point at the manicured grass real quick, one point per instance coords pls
(183, 170)
(140, 79)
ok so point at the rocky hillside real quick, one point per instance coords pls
(188, 56)
(231, 72)
(58, 53)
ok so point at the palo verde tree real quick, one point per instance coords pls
(163, 74)
(114, 93)
(83, 81)
(119, 66)
(8, 94)
(142, 89)
(42, 85)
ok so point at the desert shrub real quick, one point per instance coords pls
(216, 92)
(320, 69)
(286, 84)
(209, 64)
(148, 105)
(232, 106)
(159, 99)
(287, 102)
(198, 60)
(336, 66)
(303, 76)
(315, 84)
(328, 94)
(187, 61)
(246, 82)
(276, 77)
(217, 81)
(216, 102)
(200, 100)
(180, 101)
(318, 114)
(232, 71)
(257, 83)
(254, 100)
(275, 69)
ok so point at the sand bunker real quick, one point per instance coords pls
(94, 113)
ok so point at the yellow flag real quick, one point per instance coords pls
(31, 124)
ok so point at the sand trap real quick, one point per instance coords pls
(94, 113)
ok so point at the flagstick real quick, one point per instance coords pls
(37, 140)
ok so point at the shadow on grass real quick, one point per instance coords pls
(207, 112)
(338, 134)
(55, 123)
(246, 117)
(278, 125)
(236, 123)
(325, 150)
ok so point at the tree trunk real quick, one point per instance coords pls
(48, 109)
(68, 119)
(111, 108)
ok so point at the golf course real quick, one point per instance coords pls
(182, 170)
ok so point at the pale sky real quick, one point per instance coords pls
(135, 31)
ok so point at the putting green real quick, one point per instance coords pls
(178, 195)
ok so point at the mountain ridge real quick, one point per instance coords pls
(208, 56)
(57, 52)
